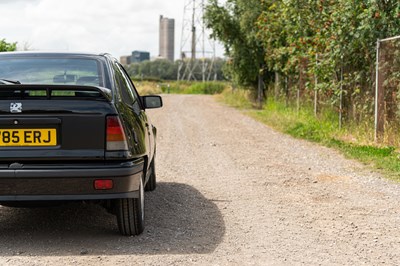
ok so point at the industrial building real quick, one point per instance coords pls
(125, 60)
(135, 57)
(167, 38)
(139, 56)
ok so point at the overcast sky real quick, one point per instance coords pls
(114, 26)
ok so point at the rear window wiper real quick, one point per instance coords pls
(7, 81)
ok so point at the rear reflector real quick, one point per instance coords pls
(116, 139)
(103, 184)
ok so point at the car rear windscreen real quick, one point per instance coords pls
(67, 71)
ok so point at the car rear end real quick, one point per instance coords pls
(55, 146)
(61, 137)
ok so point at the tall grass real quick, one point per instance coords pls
(236, 98)
(301, 124)
(148, 87)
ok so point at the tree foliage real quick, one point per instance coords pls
(7, 47)
(306, 40)
(234, 25)
(337, 30)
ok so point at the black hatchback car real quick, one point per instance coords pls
(73, 128)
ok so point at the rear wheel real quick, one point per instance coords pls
(152, 182)
(130, 214)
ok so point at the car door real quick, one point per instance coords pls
(133, 113)
(142, 113)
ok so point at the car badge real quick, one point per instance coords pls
(16, 107)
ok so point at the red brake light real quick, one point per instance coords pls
(103, 184)
(116, 139)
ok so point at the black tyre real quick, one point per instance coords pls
(152, 182)
(130, 214)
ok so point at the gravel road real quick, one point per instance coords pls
(231, 191)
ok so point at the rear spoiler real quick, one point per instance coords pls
(39, 91)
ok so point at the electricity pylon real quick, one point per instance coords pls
(197, 51)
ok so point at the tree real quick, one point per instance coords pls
(7, 47)
(234, 25)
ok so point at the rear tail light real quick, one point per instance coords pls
(103, 184)
(116, 139)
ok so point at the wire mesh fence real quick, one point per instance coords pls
(387, 111)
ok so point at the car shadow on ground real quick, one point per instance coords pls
(179, 220)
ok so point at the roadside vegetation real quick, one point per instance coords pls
(354, 141)
(321, 51)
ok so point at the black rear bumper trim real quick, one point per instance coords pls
(105, 172)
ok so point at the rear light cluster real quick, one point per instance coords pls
(103, 184)
(116, 139)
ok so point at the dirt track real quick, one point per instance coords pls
(231, 192)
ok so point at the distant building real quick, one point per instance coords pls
(135, 57)
(139, 56)
(125, 60)
(167, 38)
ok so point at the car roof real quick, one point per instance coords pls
(51, 54)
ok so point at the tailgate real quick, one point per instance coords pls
(53, 123)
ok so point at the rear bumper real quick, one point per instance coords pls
(70, 182)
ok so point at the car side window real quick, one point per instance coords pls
(131, 85)
(125, 89)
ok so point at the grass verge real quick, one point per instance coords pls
(352, 141)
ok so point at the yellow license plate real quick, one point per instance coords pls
(28, 137)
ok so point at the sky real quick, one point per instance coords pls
(114, 26)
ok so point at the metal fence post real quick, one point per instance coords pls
(341, 95)
(316, 87)
(379, 113)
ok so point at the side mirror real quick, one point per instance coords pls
(152, 101)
